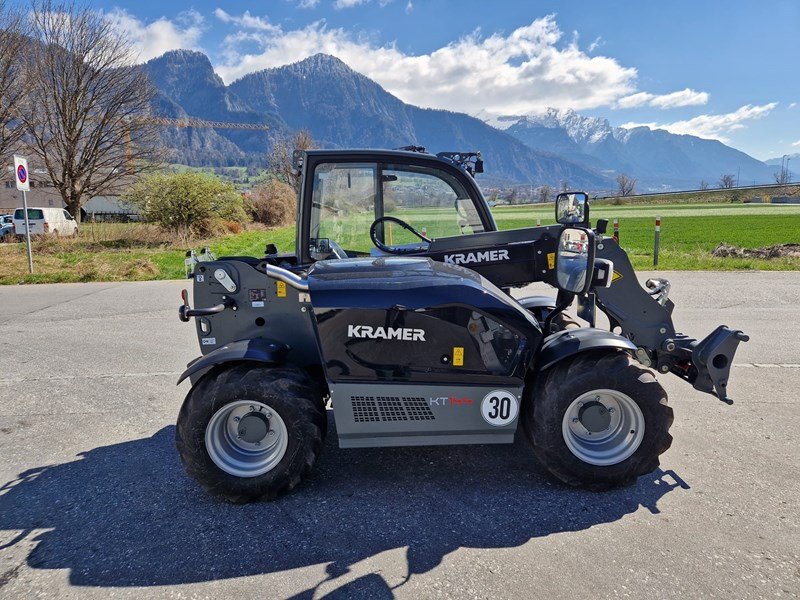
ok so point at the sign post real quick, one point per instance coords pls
(24, 186)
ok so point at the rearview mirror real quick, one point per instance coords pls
(575, 260)
(572, 208)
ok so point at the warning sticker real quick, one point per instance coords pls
(551, 260)
(280, 289)
(458, 356)
(615, 276)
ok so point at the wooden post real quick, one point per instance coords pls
(616, 230)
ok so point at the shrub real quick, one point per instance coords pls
(186, 204)
(273, 203)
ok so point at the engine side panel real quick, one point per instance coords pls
(371, 415)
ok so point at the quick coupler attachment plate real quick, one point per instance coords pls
(713, 357)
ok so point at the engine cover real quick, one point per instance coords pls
(401, 337)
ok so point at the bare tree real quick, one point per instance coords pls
(545, 193)
(280, 157)
(12, 83)
(726, 181)
(703, 185)
(565, 186)
(85, 111)
(625, 185)
(782, 177)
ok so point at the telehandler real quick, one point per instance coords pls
(395, 306)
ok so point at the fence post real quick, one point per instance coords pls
(657, 241)
(616, 230)
(538, 222)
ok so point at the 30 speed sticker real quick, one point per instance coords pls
(551, 260)
(499, 408)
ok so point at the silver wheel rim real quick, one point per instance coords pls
(246, 438)
(603, 427)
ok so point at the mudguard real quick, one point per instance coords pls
(569, 342)
(255, 350)
(531, 302)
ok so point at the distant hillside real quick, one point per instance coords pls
(342, 108)
(656, 158)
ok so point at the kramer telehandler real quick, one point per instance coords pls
(396, 307)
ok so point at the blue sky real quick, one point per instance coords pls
(725, 70)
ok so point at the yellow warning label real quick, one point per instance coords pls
(551, 260)
(615, 276)
(458, 356)
(280, 289)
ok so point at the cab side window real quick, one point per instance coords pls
(348, 197)
(431, 200)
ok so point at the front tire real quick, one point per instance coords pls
(598, 420)
(250, 431)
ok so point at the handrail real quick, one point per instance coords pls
(289, 278)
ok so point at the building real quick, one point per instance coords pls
(104, 208)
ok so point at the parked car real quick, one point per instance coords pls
(6, 228)
(46, 221)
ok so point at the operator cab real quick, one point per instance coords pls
(351, 190)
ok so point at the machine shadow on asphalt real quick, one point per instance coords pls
(126, 514)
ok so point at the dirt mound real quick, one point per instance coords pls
(779, 251)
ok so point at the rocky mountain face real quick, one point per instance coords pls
(656, 158)
(342, 108)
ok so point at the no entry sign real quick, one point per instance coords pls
(21, 174)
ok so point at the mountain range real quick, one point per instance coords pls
(342, 108)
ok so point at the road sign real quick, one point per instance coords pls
(21, 174)
(24, 185)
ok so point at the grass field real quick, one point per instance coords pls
(689, 233)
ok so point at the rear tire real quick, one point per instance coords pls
(243, 469)
(616, 455)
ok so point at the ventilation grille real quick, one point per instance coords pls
(387, 408)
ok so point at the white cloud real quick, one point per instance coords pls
(307, 3)
(525, 71)
(685, 97)
(348, 3)
(793, 104)
(796, 144)
(246, 21)
(712, 126)
(409, 7)
(595, 44)
(153, 39)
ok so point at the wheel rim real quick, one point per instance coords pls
(603, 427)
(246, 438)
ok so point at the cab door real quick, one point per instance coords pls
(347, 196)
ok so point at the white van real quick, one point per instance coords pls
(46, 221)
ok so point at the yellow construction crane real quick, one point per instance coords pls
(200, 123)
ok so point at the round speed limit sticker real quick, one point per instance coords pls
(499, 408)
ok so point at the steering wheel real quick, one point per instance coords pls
(337, 250)
(373, 234)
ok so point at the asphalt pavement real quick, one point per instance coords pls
(94, 502)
